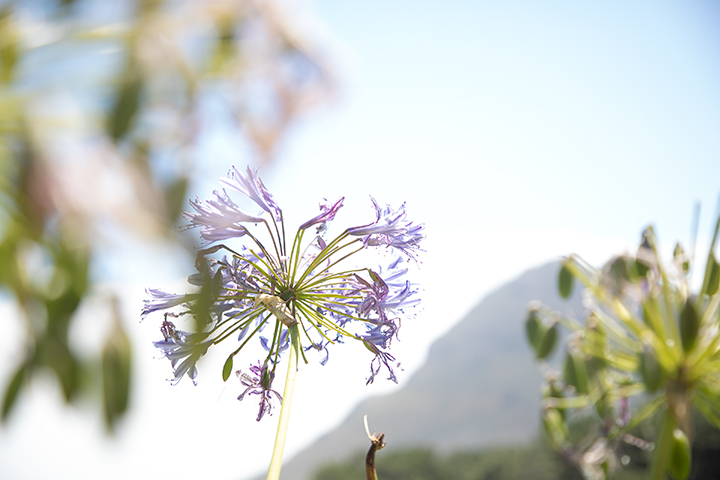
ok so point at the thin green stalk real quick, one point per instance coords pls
(276, 460)
(663, 445)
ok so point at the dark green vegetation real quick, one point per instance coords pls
(533, 462)
(530, 462)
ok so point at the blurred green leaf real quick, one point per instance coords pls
(565, 281)
(12, 390)
(116, 375)
(224, 50)
(9, 51)
(54, 353)
(127, 103)
(175, 197)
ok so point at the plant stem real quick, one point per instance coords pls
(276, 460)
(663, 447)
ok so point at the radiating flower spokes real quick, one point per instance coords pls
(301, 284)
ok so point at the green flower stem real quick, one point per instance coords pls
(276, 460)
(663, 445)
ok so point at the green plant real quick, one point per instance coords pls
(648, 337)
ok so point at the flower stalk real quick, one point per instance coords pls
(663, 447)
(284, 420)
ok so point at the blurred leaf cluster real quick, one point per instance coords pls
(103, 110)
(648, 344)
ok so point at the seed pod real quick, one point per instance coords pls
(266, 376)
(650, 371)
(680, 456)
(554, 429)
(534, 329)
(548, 343)
(565, 282)
(619, 269)
(713, 276)
(689, 324)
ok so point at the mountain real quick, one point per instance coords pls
(479, 387)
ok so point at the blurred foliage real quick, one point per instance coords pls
(648, 341)
(534, 461)
(103, 106)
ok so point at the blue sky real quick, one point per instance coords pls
(518, 131)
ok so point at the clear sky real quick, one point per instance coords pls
(518, 131)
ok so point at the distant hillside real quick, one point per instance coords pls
(478, 388)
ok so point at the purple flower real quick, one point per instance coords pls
(219, 219)
(258, 382)
(381, 358)
(282, 344)
(327, 213)
(162, 300)
(320, 347)
(391, 229)
(252, 187)
(278, 280)
(182, 349)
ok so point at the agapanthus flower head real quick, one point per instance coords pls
(268, 284)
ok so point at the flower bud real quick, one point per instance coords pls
(548, 343)
(534, 329)
(712, 276)
(266, 376)
(650, 370)
(576, 373)
(689, 324)
(565, 281)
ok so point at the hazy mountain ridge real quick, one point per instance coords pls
(479, 386)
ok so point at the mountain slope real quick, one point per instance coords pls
(479, 386)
